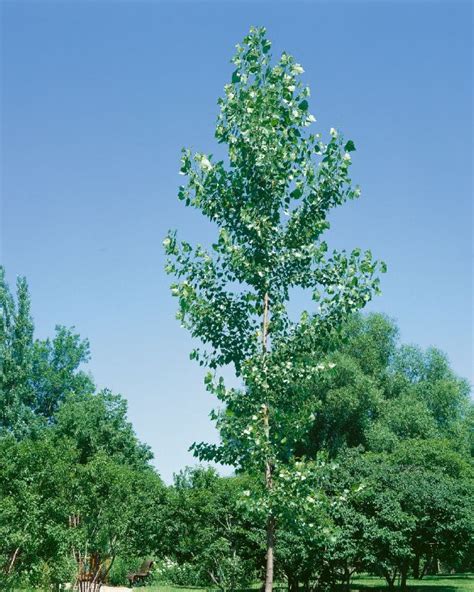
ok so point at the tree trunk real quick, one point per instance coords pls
(416, 567)
(107, 571)
(270, 557)
(13, 560)
(426, 567)
(404, 575)
(270, 554)
(390, 578)
(347, 577)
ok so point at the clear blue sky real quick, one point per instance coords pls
(98, 99)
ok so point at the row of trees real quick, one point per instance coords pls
(74, 478)
(384, 475)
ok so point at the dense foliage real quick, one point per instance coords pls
(387, 476)
(66, 452)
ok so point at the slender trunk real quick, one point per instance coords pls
(107, 571)
(347, 576)
(424, 571)
(266, 302)
(270, 557)
(390, 578)
(416, 567)
(404, 575)
(270, 554)
(13, 560)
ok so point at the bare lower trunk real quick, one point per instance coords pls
(270, 558)
(270, 554)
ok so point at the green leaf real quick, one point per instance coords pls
(296, 193)
(350, 146)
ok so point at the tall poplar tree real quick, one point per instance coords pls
(270, 199)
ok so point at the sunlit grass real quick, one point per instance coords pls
(444, 583)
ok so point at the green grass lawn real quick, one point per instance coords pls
(445, 583)
(454, 583)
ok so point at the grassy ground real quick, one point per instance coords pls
(447, 583)
(454, 583)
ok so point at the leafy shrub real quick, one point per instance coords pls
(169, 571)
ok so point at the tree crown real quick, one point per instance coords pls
(270, 199)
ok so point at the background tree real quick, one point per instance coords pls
(120, 509)
(409, 409)
(65, 451)
(35, 375)
(57, 371)
(270, 200)
(372, 470)
(209, 535)
(16, 341)
(35, 480)
(98, 423)
(373, 398)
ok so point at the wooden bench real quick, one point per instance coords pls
(141, 574)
